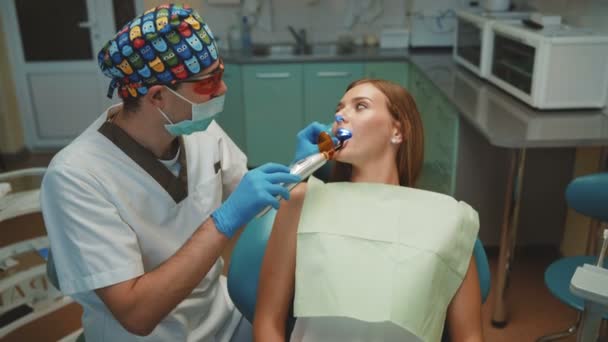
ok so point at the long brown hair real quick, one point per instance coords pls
(402, 108)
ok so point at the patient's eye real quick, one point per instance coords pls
(361, 105)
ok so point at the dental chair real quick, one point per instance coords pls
(51, 273)
(248, 253)
(587, 195)
(25, 294)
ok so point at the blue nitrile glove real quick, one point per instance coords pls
(257, 189)
(307, 140)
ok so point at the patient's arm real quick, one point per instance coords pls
(277, 276)
(464, 312)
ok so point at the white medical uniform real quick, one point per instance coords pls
(109, 221)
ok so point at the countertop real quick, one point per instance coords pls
(320, 54)
(502, 119)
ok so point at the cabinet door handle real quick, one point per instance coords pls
(333, 74)
(267, 75)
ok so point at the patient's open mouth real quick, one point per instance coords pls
(343, 134)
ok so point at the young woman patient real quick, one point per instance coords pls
(386, 149)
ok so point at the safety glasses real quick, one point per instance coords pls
(209, 83)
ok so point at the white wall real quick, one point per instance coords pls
(323, 19)
(11, 134)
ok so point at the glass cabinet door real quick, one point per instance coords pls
(469, 42)
(513, 62)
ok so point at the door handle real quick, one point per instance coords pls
(333, 74)
(85, 24)
(269, 75)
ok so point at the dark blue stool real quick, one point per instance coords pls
(248, 253)
(587, 195)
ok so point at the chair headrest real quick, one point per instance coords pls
(588, 195)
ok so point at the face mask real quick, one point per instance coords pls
(202, 115)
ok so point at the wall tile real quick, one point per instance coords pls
(323, 20)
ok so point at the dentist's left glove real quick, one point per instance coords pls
(257, 189)
(307, 140)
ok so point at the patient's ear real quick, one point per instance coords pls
(405, 128)
(397, 135)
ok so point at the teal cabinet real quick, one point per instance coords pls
(324, 86)
(273, 98)
(232, 119)
(268, 104)
(397, 72)
(441, 135)
(421, 90)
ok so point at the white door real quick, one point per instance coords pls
(53, 49)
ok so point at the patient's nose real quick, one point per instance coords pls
(340, 118)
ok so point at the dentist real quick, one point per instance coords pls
(139, 207)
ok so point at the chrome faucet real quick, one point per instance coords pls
(302, 46)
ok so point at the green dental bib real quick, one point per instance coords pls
(382, 253)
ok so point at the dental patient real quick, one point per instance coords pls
(367, 257)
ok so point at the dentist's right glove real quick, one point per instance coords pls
(257, 189)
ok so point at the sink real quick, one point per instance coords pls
(325, 49)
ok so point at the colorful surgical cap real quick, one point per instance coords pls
(164, 45)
